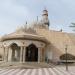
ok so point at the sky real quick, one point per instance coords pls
(15, 13)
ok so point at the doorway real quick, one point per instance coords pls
(31, 53)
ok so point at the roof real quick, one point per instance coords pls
(23, 35)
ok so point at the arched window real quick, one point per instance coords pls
(14, 46)
(15, 52)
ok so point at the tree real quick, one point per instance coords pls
(72, 26)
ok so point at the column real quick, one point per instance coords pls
(21, 53)
(10, 55)
(38, 55)
(41, 54)
(24, 54)
(6, 54)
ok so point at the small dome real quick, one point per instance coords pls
(45, 19)
(45, 12)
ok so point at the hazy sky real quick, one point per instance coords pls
(15, 13)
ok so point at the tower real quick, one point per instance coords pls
(45, 19)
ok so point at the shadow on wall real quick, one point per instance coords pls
(55, 54)
(0, 57)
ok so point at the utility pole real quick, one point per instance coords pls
(66, 58)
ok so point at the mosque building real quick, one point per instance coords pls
(37, 43)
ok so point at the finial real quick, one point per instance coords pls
(37, 18)
(61, 30)
(26, 22)
(45, 12)
(45, 8)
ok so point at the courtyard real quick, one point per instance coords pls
(56, 70)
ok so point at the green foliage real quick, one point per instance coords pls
(69, 57)
(72, 26)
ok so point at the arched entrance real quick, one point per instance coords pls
(31, 53)
(15, 56)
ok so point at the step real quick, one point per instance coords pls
(25, 65)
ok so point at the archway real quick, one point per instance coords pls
(15, 56)
(31, 53)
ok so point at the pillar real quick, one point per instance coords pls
(24, 54)
(10, 55)
(43, 54)
(39, 55)
(21, 54)
(6, 53)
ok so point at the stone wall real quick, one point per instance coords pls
(58, 41)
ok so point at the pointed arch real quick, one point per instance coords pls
(31, 53)
(15, 52)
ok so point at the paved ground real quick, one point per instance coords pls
(59, 70)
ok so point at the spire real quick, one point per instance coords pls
(26, 22)
(45, 12)
(61, 30)
(37, 18)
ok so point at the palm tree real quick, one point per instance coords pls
(72, 26)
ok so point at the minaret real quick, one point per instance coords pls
(45, 19)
